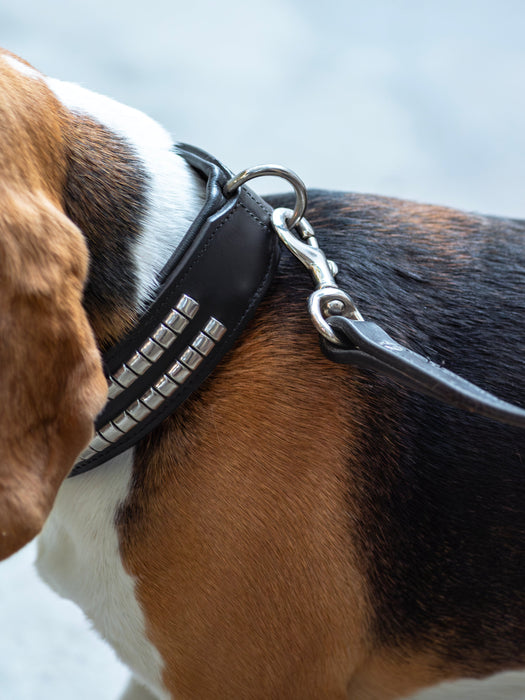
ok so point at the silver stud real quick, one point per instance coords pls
(138, 363)
(124, 422)
(191, 358)
(152, 399)
(187, 306)
(163, 336)
(114, 389)
(88, 452)
(138, 410)
(151, 350)
(166, 386)
(215, 329)
(98, 443)
(177, 322)
(124, 376)
(178, 373)
(110, 433)
(203, 344)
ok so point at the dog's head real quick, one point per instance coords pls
(51, 380)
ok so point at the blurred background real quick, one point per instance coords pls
(421, 99)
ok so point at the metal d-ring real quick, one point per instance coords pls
(274, 171)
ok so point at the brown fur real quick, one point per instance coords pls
(52, 384)
(244, 565)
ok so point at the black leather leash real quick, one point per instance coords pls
(209, 290)
(367, 345)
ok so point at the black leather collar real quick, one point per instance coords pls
(208, 291)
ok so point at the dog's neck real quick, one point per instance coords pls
(131, 195)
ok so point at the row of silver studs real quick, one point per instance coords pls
(154, 397)
(152, 350)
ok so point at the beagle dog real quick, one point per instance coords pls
(296, 529)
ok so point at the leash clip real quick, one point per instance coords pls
(327, 299)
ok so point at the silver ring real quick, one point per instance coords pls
(317, 304)
(274, 171)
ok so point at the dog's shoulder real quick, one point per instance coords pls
(440, 491)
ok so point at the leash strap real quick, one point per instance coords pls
(367, 345)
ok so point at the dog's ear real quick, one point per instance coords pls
(51, 380)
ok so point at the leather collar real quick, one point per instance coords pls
(208, 291)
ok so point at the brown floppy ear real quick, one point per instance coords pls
(51, 380)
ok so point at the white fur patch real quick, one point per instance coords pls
(79, 550)
(175, 195)
(22, 67)
(78, 556)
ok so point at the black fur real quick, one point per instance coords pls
(105, 196)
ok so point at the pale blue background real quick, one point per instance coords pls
(413, 98)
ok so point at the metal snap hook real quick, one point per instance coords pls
(273, 171)
(327, 299)
(306, 249)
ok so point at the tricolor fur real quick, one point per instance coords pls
(297, 529)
